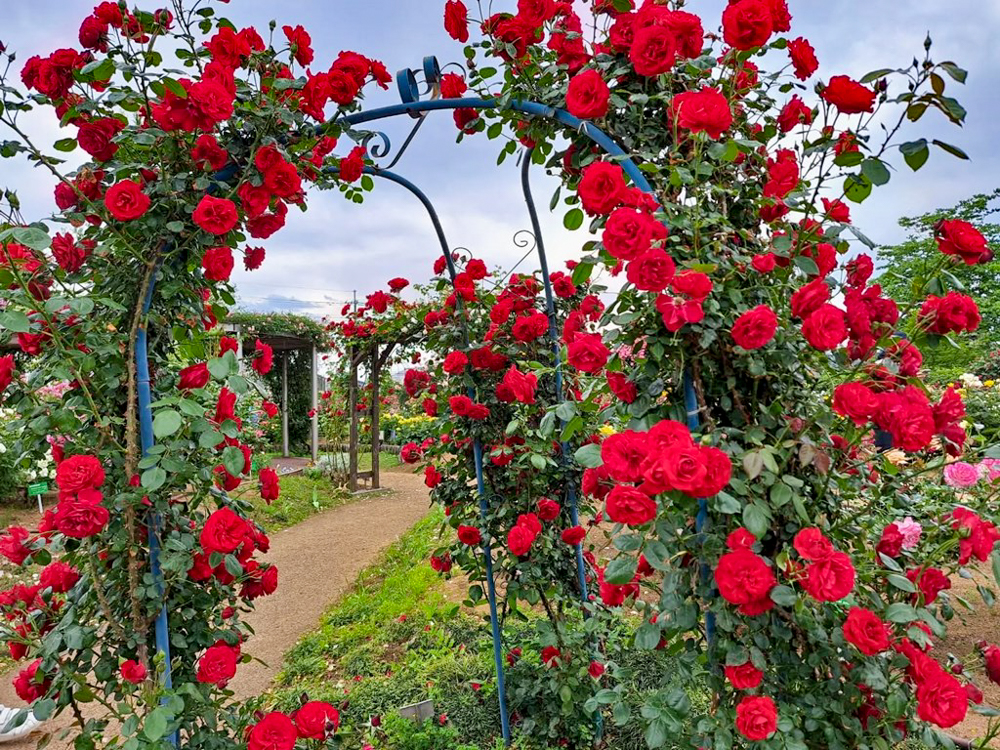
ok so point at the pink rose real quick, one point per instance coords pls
(960, 474)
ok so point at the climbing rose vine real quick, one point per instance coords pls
(197, 139)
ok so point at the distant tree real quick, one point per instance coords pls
(905, 269)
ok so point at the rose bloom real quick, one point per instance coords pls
(803, 58)
(628, 233)
(830, 580)
(941, 699)
(826, 328)
(602, 188)
(653, 50)
(866, 631)
(744, 676)
(911, 531)
(960, 238)
(747, 24)
(194, 377)
(704, 111)
(629, 506)
(217, 666)
(217, 263)
(313, 718)
(456, 20)
(125, 200)
(960, 475)
(215, 215)
(746, 580)
(274, 732)
(587, 353)
(849, 96)
(588, 95)
(573, 535)
(756, 716)
(754, 328)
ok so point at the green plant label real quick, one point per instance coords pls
(38, 488)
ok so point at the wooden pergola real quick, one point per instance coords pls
(283, 344)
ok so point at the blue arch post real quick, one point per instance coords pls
(161, 626)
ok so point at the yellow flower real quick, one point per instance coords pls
(989, 383)
(607, 430)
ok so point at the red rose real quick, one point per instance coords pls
(352, 166)
(263, 359)
(217, 666)
(529, 327)
(782, 174)
(704, 111)
(930, 581)
(623, 388)
(623, 454)
(891, 542)
(270, 488)
(629, 506)
(652, 271)
(79, 472)
(953, 313)
(68, 254)
(29, 684)
(746, 580)
(520, 538)
(628, 233)
(837, 210)
(956, 237)
(991, 659)
(849, 96)
(941, 699)
(82, 516)
(866, 630)
(95, 137)
(300, 43)
(653, 50)
(744, 676)
(764, 262)
(756, 716)
(469, 535)
(747, 24)
(215, 215)
(208, 154)
(12, 545)
(7, 367)
(274, 732)
(59, 576)
(826, 328)
(218, 263)
(315, 720)
(754, 328)
(587, 353)
(132, 671)
(432, 477)
(830, 579)
(125, 200)
(588, 95)
(193, 377)
(856, 401)
(455, 363)
(795, 112)
(456, 20)
(809, 298)
(548, 509)
(253, 257)
(602, 187)
(223, 532)
(803, 58)
(573, 535)
(411, 452)
(520, 385)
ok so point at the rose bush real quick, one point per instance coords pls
(200, 138)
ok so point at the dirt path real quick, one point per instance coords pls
(317, 560)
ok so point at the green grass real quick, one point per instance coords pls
(300, 498)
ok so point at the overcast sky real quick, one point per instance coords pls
(315, 263)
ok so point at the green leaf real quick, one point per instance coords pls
(65, 144)
(15, 321)
(957, 73)
(573, 219)
(876, 171)
(756, 519)
(621, 570)
(32, 237)
(647, 636)
(209, 439)
(753, 464)
(537, 461)
(784, 596)
(806, 264)
(153, 479)
(995, 559)
(589, 456)
(902, 583)
(953, 150)
(857, 188)
(875, 75)
(900, 612)
(233, 460)
(175, 226)
(166, 422)
(155, 726)
(656, 734)
(915, 153)
(219, 368)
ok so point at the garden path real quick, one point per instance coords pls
(317, 560)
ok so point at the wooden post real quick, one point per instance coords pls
(315, 405)
(284, 404)
(376, 437)
(352, 406)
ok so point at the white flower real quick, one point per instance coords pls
(3, 448)
(970, 381)
(31, 476)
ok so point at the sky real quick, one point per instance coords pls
(336, 249)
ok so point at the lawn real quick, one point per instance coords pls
(300, 498)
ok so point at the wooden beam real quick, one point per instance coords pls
(284, 405)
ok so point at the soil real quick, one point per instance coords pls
(317, 560)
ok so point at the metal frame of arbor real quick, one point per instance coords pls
(413, 106)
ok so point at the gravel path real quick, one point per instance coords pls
(317, 561)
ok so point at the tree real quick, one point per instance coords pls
(905, 278)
